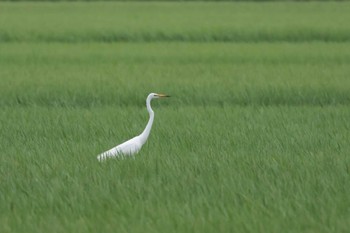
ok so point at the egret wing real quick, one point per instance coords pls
(129, 147)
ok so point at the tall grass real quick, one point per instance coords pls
(254, 139)
(204, 169)
(174, 21)
(197, 74)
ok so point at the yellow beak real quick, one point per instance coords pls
(163, 95)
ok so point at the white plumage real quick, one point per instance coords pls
(134, 145)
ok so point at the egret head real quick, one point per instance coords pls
(156, 95)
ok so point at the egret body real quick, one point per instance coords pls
(134, 145)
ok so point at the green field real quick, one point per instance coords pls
(254, 139)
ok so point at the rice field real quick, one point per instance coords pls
(255, 137)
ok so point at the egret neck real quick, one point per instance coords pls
(144, 135)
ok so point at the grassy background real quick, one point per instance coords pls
(95, 74)
(175, 21)
(255, 138)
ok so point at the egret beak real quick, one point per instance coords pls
(162, 95)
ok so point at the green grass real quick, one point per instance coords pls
(254, 139)
(256, 170)
(197, 73)
(175, 21)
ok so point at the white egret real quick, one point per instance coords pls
(134, 145)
